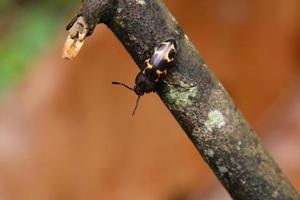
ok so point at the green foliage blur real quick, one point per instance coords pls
(28, 26)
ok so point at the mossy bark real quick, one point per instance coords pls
(203, 108)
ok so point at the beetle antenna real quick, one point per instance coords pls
(118, 83)
(174, 84)
(136, 104)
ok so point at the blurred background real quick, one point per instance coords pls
(67, 133)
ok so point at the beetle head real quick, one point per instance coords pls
(143, 84)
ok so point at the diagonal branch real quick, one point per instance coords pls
(206, 112)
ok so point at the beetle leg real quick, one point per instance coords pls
(178, 85)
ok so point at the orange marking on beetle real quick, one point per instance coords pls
(159, 73)
(155, 51)
(149, 66)
(173, 47)
(168, 59)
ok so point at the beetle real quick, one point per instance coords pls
(155, 69)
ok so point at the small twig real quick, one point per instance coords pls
(78, 30)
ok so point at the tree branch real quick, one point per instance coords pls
(206, 112)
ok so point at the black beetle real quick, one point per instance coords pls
(155, 69)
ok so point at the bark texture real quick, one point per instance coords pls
(206, 112)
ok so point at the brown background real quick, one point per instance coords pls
(67, 133)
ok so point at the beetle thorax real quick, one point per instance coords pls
(143, 84)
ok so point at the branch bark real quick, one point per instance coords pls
(206, 112)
